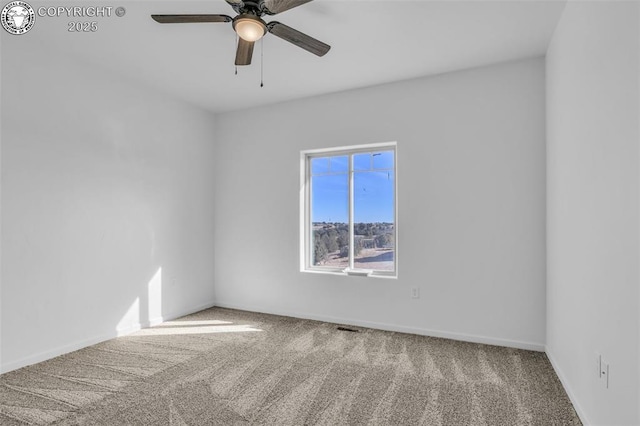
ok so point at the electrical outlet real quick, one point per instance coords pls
(604, 373)
(415, 293)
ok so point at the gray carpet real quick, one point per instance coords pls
(229, 367)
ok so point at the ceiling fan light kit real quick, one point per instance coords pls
(250, 27)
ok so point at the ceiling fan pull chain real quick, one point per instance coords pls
(262, 62)
(234, 47)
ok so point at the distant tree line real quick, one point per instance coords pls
(329, 238)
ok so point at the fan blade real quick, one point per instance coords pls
(302, 40)
(244, 52)
(236, 4)
(187, 19)
(271, 7)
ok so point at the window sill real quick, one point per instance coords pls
(366, 273)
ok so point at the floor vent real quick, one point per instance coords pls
(353, 330)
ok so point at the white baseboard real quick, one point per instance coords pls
(538, 347)
(64, 349)
(52, 353)
(565, 384)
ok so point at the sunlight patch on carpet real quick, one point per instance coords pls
(160, 331)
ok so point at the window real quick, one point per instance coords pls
(348, 210)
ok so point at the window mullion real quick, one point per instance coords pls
(310, 242)
(351, 233)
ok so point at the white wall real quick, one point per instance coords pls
(471, 191)
(104, 183)
(593, 211)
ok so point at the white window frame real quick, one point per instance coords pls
(306, 241)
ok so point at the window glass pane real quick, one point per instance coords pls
(340, 164)
(329, 220)
(374, 227)
(362, 161)
(319, 165)
(383, 160)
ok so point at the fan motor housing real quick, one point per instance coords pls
(252, 7)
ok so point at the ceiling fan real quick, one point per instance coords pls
(250, 27)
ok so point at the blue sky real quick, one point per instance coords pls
(373, 188)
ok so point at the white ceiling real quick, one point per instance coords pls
(373, 42)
